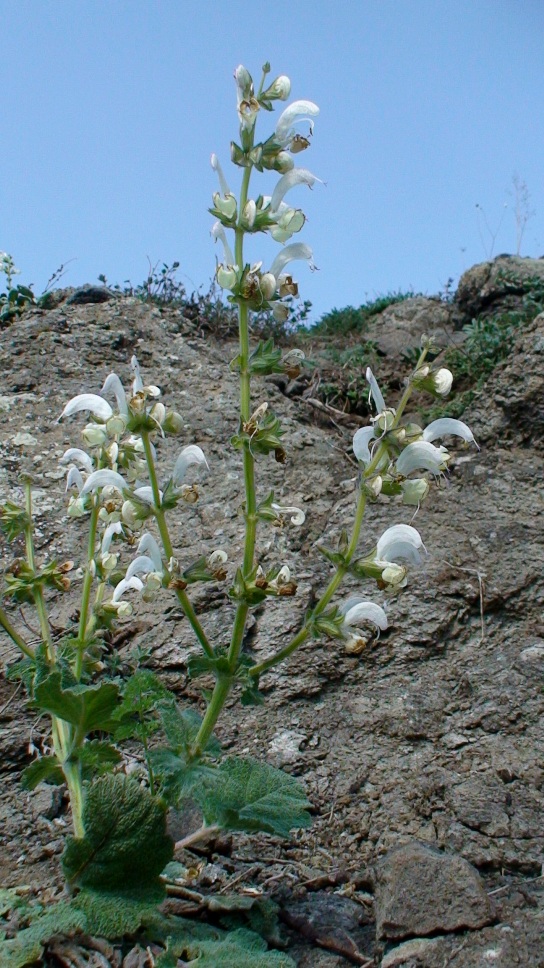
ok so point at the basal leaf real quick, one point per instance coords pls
(243, 794)
(45, 769)
(241, 948)
(26, 947)
(125, 846)
(114, 915)
(88, 708)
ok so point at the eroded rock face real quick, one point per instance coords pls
(421, 891)
(490, 287)
(434, 733)
(399, 328)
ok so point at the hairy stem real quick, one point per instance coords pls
(14, 635)
(160, 517)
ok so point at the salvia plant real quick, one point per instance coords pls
(115, 859)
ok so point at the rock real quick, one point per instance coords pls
(410, 954)
(420, 890)
(90, 294)
(495, 286)
(400, 327)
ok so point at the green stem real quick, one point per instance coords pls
(223, 685)
(63, 739)
(160, 517)
(14, 635)
(83, 628)
(325, 598)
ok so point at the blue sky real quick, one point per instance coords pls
(111, 108)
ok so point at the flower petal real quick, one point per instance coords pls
(447, 425)
(189, 455)
(113, 383)
(298, 250)
(104, 478)
(298, 516)
(78, 456)
(74, 477)
(358, 610)
(124, 585)
(400, 541)
(422, 455)
(142, 565)
(115, 528)
(297, 176)
(297, 111)
(375, 391)
(148, 545)
(361, 440)
(88, 401)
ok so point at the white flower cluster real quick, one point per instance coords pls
(107, 478)
(266, 213)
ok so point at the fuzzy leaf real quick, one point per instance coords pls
(241, 948)
(26, 947)
(86, 707)
(125, 846)
(45, 769)
(176, 775)
(97, 757)
(112, 915)
(181, 727)
(141, 694)
(243, 794)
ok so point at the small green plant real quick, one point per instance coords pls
(117, 859)
(350, 319)
(16, 298)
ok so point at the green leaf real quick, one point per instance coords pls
(241, 948)
(87, 707)
(125, 846)
(26, 947)
(181, 727)
(176, 775)
(141, 694)
(46, 769)
(97, 757)
(243, 794)
(114, 915)
(265, 359)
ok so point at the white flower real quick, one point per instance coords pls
(447, 425)
(293, 114)
(400, 541)
(356, 610)
(115, 528)
(74, 479)
(89, 402)
(361, 440)
(224, 202)
(298, 250)
(125, 585)
(297, 176)
(113, 383)
(442, 381)
(189, 455)
(78, 456)
(298, 516)
(104, 478)
(375, 392)
(147, 545)
(422, 455)
(218, 232)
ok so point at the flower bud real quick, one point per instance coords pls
(250, 211)
(268, 285)
(283, 162)
(94, 435)
(172, 423)
(279, 90)
(116, 425)
(415, 491)
(158, 413)
(226, 276)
